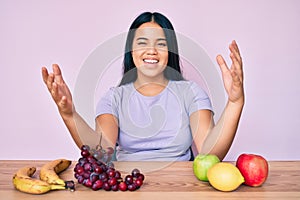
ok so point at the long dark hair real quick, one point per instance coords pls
(172, 71)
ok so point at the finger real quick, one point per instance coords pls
(235, 51)
(235, 61)
(45, 74)
(63, 101)
(54, 92)
(236, 66)
(223, 66)
(236, 58)
(50, 81)
(235, 45)
(237, 82)
(57, 74)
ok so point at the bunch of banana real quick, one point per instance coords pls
(50, 180)
(49, 172)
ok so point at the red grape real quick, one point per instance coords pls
(138, 182)
(129, 179)
(141, 176)
(80, 170)
(85, 147)
(80, 179)
(103, 176)
(86, 175)
(123, 186)
(87, 167)
(85, 153)
(94, 177)
(87, 183)
(106, 186)
(97, 185)
(112, 181)
(111, 172)
(96, 171)
(118, 174)
(131, 187)
(135, 172)
(115, 187)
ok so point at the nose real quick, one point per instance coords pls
(151, 50)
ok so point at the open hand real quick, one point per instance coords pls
(58, 90)
(233, 76)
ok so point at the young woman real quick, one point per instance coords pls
(154, 114)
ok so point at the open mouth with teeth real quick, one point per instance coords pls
(150, 61)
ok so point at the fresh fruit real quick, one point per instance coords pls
(122, 186)
(49, 172)
(225, 176)
(23, 181)
(254, 169)
(100, 173)
(202, 163)
(98, 153)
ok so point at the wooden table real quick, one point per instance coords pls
(163, 180)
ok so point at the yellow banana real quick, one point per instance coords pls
(49, 172)
(24, 182)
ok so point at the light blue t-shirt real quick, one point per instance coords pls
(157, 127)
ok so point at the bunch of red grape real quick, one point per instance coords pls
(100, 174)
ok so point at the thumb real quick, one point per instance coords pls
(221, 62)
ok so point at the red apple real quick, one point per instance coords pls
(254, 169)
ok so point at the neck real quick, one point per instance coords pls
(150, 88)
(143, 80)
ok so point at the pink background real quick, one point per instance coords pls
(37, 33)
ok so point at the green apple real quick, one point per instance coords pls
(202, 163)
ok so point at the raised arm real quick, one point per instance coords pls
(217, 138)
(80, 131)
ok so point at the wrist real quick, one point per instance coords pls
(67, 116)
(239, 104)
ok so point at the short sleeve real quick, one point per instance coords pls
(107, 104)
(198, 99)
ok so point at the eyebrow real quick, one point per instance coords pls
(143, 38)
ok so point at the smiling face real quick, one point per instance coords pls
(150, 52)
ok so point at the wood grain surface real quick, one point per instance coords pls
(162, 180)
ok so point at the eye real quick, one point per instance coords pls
(141, 43)
(162, 44)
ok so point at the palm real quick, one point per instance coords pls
(233, 77)
(58, 89)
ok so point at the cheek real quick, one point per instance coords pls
(135, 57)
(164, 57)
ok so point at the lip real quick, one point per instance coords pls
(150, 60)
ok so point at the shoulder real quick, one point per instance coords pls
(119, 90)
(188, 89)
(184, 85)
(109, 102)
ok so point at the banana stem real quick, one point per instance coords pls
(57, 187)
(70, 185)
